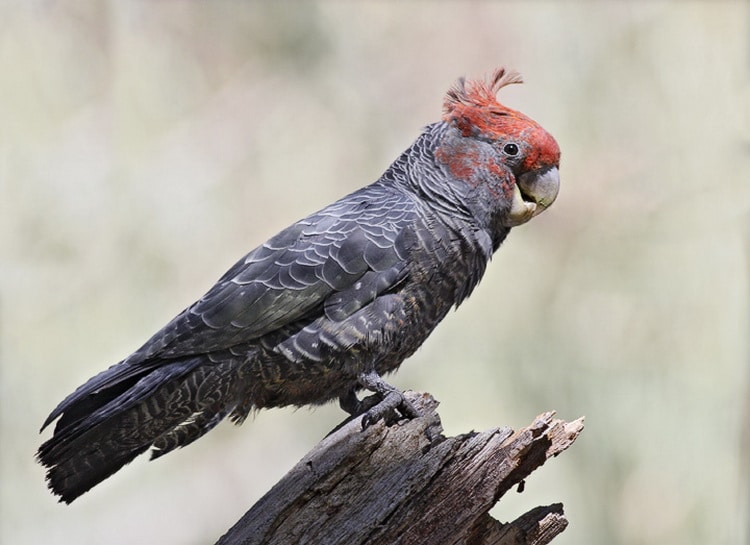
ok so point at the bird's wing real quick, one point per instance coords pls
(332, 263)
(355, 246)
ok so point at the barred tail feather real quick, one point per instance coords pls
(169, 406)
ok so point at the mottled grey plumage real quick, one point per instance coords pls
(318, 312)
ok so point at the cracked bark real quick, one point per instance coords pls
(407, 484)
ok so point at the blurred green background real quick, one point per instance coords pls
(145, 146)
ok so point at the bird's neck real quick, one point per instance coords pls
(421, 174)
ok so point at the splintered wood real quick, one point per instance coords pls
(408, 484)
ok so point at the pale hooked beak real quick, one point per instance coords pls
(533, 193)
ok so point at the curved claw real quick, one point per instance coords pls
(388, 402)
(354, 406)
(393, 406)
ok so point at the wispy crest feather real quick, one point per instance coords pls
(479, 93)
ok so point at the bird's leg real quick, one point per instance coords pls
(388, 400)
(354, 406)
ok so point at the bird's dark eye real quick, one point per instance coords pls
(510, 149)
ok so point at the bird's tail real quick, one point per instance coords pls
(126, 410)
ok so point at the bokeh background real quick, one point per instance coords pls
(145, 146)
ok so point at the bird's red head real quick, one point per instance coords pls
(525, 158)
(472, 106)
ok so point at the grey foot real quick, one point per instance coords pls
(355, 406)
(388, 403)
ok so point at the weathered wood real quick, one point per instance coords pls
(408, 484)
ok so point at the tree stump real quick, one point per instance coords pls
(408, 484)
